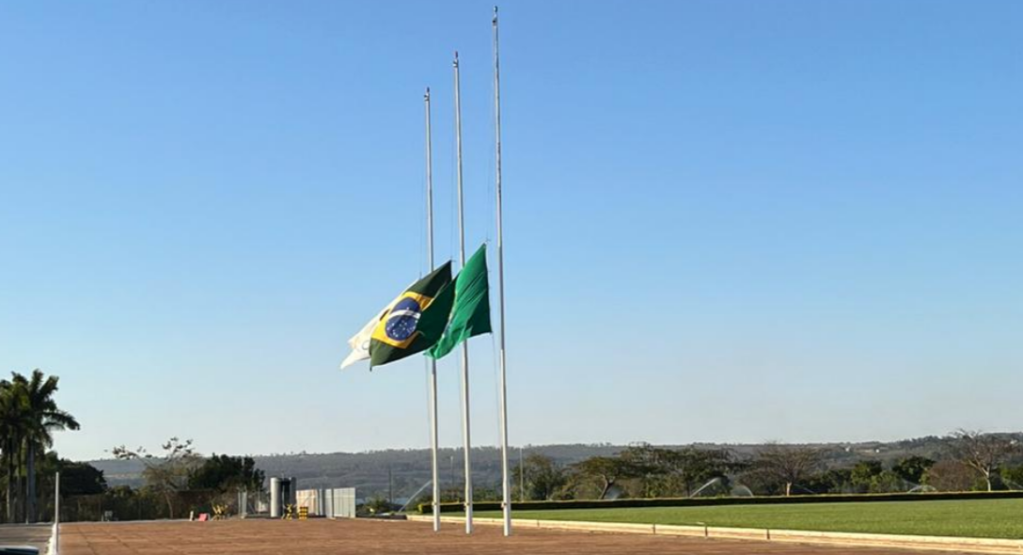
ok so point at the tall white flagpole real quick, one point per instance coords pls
(505, 478)
(433, 363)
(55, 547)
(467, 446)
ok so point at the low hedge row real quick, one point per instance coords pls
(425, 508)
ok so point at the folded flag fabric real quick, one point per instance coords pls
(470, 315)
(415, 321)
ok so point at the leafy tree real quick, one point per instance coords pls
(225, 473)
(864, 474)
(667, 472)
(912, 469)
(44, 417)
(14, 425)
(1012, 477)
(887, 482)
(79, 478)
(649, 465)
(982, 452)
(693, 467)
(167, 474)
(606, 471)
(543, 477)
(788, 464)
(28, 416)
(834, 480)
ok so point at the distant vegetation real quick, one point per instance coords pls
(176, 479)
(960, 461)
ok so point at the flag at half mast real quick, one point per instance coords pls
(415, 321)
(471, 314)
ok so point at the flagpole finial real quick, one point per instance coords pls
(495, 15)
(427, 95)
(456, 59)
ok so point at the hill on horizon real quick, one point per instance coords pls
(408, 470)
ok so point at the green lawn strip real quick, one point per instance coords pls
(995, 518)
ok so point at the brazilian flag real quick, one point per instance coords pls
(415, 320)
(471, 314)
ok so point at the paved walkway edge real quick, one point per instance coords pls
(941, 543)
(53, 547)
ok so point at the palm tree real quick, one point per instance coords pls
(14, 423)
(44, 417)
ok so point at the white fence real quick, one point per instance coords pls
(331, 503)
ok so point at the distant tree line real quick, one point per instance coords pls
(970, 461)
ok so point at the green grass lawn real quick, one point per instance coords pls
(987, 518)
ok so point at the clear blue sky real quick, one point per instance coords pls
(725, 221)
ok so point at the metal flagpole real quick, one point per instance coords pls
(55, 548)
(505, 479)
(433, 363)
(465, 345)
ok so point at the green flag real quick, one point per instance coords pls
(471, 313)
(415, 320)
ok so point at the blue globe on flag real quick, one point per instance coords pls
(402, 320)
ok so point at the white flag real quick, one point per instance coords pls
(360, 341)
